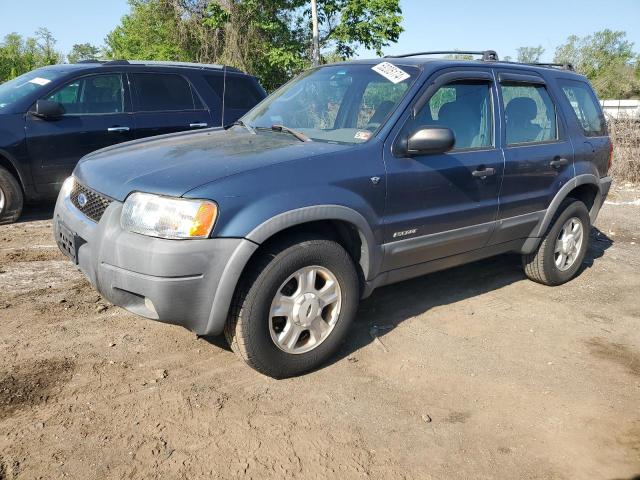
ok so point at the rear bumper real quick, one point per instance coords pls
(184, 282)
(604, 184)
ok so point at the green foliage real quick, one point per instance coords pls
(19, 55)
(607, 59)
(83, 51)
(530, 54)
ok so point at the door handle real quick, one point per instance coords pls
(484, 173)
(118, 129)
(199, 125)
(559, 162)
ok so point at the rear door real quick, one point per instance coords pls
(97, 115)
(444, 204)
(537, 150)
(166, 103)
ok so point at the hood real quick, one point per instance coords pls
(174, 164)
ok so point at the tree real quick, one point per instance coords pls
(19, 55)
(83, 51)
(607, 59)
(271, 40)
(530, 54)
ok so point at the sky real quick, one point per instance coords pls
(501, 25)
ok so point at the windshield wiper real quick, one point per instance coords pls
(242, 124)
(299, 135)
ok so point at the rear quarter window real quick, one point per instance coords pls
(585, 106)
(239, 92)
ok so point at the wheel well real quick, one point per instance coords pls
(345, 233)
(586, 193)
(4, 162)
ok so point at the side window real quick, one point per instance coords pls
(465, 108)
(530, 114)
(94, 94)
(240, 91)
(162, 92)
(584, 105)
(378, 99)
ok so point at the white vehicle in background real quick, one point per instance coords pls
(619, 109)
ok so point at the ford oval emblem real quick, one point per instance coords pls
(82, 199)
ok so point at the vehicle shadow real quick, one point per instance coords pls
(37, 211)
(391, 305)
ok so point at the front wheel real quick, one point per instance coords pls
(563, 247)
(294, 306)
(11, 198)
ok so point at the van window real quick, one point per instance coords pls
(530, 114)
(94, 94)
(465, 108)
(585, 106)
(162, 92)
(240, 91)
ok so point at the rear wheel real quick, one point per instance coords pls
(563, 247)
(11, 198)
(294, 307)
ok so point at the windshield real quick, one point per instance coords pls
(21, 86)
(338, 103)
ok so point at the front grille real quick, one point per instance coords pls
(95, 204)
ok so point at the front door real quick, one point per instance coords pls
(444, 204)
(95, 117)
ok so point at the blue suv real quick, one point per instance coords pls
(349, 177)
(53, 116)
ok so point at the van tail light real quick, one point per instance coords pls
(610, 154)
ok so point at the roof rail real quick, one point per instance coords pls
(562, 66)
(487, 55)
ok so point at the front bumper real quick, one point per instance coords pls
(184, 282)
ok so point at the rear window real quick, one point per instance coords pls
(585, 106)
(530, 114)
(162, 92)
(239, 92)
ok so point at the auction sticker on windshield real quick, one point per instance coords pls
(391, 72)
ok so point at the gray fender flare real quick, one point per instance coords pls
(370, 258)
(536, 235)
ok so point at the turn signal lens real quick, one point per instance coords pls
(203, 220)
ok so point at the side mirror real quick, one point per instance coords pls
(47, 109)
(430, 140)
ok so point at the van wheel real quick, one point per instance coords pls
(294, 307)
(563, 247)
(11, 198)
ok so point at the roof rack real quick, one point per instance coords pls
(562, 66)
(487, 55)
(162, 63)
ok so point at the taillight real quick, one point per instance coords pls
(610, 154)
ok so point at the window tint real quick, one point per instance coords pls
(465, 108)
(162, 92)
(91, 95)
(530, 114)
(585, 107)
(240, 91)
(378, 100)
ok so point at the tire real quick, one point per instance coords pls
(542, 265)
(11, 198)
(253, 331)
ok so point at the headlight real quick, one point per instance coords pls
(167, 217)
(67, 186)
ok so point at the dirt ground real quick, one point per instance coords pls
(475, 372)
